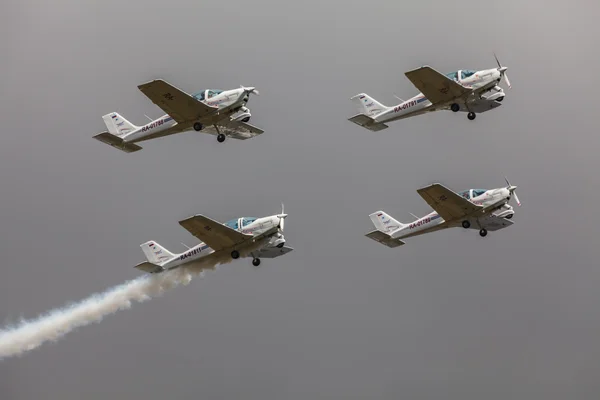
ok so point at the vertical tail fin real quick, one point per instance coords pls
(368, 105)
(155, 253)
(117, 125)
(384, 223)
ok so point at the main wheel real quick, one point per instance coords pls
(198, 126)
(246, 119)
(220, 138)
(483, 232)
(466, 224)
(455, 107)
(256, 262)
(235, 254)
(471, 115)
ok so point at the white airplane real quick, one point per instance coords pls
(486, 210)
(463, 90)
(256, 237)
(218, 112)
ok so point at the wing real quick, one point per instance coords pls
(216, 235)
(272, 252)
(175, 102)
(494, 223)
(438, 88)
(235, 129)
(384, 239)
(446, 203)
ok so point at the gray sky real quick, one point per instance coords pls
(447, 316)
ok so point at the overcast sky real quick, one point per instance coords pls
(447, 316)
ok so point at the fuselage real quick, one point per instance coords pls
(230, 101)
(480, 81)
(433, 221)
(247, 225)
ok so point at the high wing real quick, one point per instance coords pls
(437, 87)
(216, 235)
(272, 252)
(175, 102)
(449, 205)
(235, 129)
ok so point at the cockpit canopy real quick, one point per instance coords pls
(472, 193)
(206, 94)
(235, 223)
(464, 74)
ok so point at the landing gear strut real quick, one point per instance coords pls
(235, 254)
(471, 116)
(198, 126)
(466, 224)
(483, 232)
(220, 136)
(256, 262)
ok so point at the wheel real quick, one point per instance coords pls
(256, 262)
(500, 98)
(471, 116)
(198, 126)
(280, 245)
(235, 254)
(246, 119)
(509, 216)
(455, 107)
(466, 224)
(483, 232)
(220, 138)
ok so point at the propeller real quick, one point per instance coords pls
(503, 72)
(513, 191)
(281, 217)
(250, 90)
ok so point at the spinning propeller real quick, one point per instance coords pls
(250, 90)
(281, 218)
(513, 191)
(503, 72)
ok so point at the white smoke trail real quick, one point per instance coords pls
(52, 326)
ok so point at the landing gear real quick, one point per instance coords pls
(280, 245)
(235, 254)
(466, 224)
(471, 116)
(198, 126)
(246, 119)
(256, 262)
(220, 138)
(483, 232)
(455, 107)
(500, 98)
(509, 216)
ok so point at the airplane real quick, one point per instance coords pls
(486, 210)
(217, 112)
(239, 237)
(464, 90)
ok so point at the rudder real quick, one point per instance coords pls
(117, 125)
(155, 253)
(384, 223)
(368, 105)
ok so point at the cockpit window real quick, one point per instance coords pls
(213, 93)
(452, 75)
(248, 220)
(465, 194)
(478, 192)
(199, 95)
(233, 224)
(465, 73)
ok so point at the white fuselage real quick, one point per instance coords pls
(230, 101)
(480, 81)
(254, 228)
(433, 221)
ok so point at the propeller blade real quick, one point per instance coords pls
(516, 198)
(497, 61)
(507, 81)
(507, 182)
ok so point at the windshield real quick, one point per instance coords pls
(213, 93)
(199, 95)
(466, 73)
(233, 224)
(478, 192)
(248, 220)
(452, 75)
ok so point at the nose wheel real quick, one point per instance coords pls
(256, 262)
(471, 116)
(483, 232)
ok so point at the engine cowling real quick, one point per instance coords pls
(242, 115)
(505, 212)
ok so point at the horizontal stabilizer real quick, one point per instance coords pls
(117, 142)
(149, 267)
(367, 122)
(384, 239)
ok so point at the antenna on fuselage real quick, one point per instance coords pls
(148, 118)
(188, 247)
(399, 98)
(413, 215)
